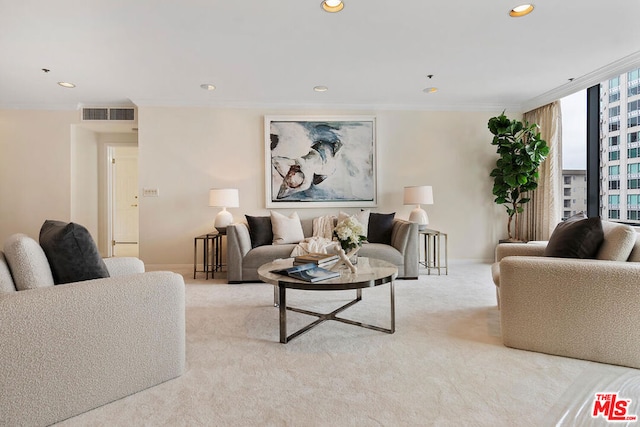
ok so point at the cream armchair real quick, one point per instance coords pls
(69, 348)
(585, 309)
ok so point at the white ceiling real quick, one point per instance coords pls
(373, 54)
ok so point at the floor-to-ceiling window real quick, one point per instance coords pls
(574, 154)
(619, 148)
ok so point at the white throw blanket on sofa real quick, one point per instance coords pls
(321, 242)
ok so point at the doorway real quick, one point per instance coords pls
(123, 201)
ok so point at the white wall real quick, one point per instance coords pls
(35, 169)
(84, 179)
(185, 151)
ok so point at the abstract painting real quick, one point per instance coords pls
(320, 161)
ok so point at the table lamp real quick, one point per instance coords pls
(419, 195)
(223, 198)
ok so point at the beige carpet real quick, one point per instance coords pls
(444, 366)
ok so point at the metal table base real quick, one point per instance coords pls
(323, 317)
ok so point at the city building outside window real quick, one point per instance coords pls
(620, 148)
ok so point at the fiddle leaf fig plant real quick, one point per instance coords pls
(521, 151)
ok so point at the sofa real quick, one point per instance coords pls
(243, 260)
(68, 348)
(580, 308)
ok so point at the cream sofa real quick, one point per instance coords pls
(243, 261)
(69, 348)
(581, 308)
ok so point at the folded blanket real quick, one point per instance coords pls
(323, 226)
(321, 242)
(316, 245)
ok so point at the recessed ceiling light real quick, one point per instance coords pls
(522, 10)
(430, 90)
(207, 86)
(67, 85)
(321, 88)
(332, 6)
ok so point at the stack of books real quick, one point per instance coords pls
(308, 272)
(319, 259)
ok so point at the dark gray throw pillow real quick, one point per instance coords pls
(260, 230)
(380, 228)
(576, 238)
(71, 251)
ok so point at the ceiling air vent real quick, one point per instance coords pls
(109, 114)
(95, 114)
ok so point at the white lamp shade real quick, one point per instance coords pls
(418, 195)
(224, 197)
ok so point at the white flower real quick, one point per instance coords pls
(349, 232)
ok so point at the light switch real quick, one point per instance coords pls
(150, 192)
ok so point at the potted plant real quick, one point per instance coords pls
(521, 152)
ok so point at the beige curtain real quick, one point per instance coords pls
(543, 212)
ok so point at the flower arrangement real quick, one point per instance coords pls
(350, 233)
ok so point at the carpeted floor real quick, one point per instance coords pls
(444, 366)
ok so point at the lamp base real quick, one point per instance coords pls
(223, 219)
(420, 216)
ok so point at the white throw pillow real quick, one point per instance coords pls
(362, 217)
(28, 263)
(286, 229)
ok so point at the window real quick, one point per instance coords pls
(613, 147)
(567, 192)
(567, 203)
(614, 89)
(614, 111)
(633, 85)
(633, 108)
(614, 124)
(567, 180)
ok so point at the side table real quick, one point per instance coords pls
(432, 250)
(211, 254)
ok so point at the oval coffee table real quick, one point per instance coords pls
(371, 272)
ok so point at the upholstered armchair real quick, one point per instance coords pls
(69, 348)
(580, 308)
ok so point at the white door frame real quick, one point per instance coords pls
(109, 148)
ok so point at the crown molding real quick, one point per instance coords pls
(595, 77)
(327, 106)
